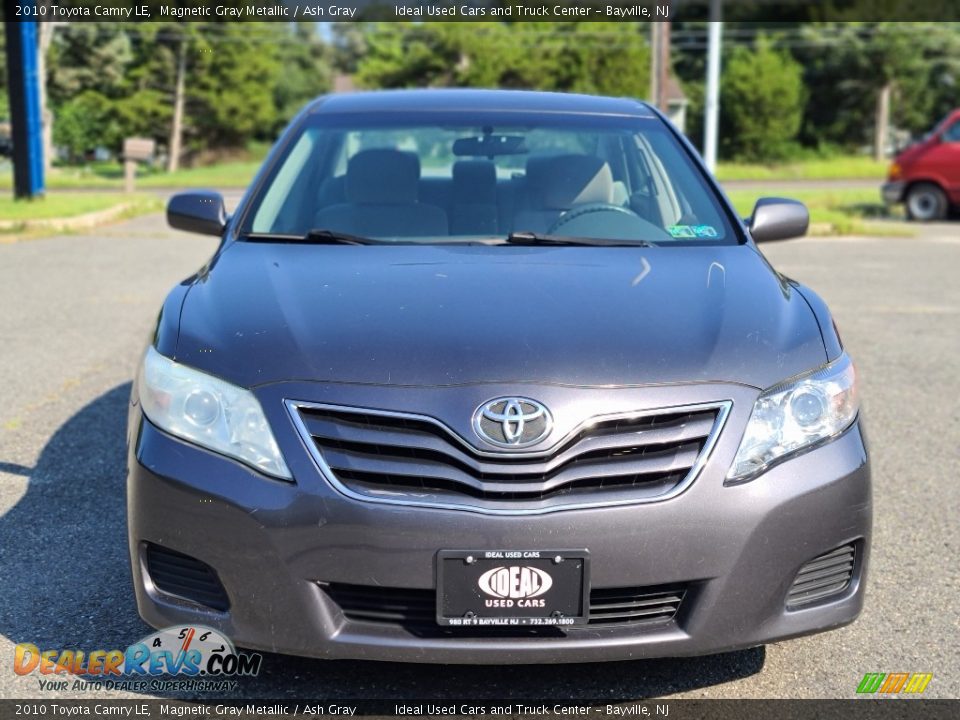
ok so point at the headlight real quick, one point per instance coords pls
(796, 414)
(209, 412)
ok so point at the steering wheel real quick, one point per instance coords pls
(604, 220)
(578, 211)
(600, 220)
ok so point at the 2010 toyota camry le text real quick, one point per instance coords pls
(494, 377)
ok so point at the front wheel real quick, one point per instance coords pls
(926, 202)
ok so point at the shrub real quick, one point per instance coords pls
(761, 104)
(83, 123)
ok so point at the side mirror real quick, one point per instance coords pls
(200, 211)
(778, 219)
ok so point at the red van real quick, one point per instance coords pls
(926, 175)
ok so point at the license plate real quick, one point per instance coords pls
(512, 587)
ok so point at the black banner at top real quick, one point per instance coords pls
(785, 11)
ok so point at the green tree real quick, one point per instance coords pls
(851, 65)
(88, 78)
(944, 69)
(89, 56)
(146, 109)
(604, 58)
(408, 55)
(763, 100)
(233, 69)
(144, 113)
(305, 61)
(83, 124)
(240, 80)
(349, 45)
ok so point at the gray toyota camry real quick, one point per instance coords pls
(494, 377)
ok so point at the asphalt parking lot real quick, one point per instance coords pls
(75, 312)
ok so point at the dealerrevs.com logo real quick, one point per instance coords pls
(894, 683)
(192, 654)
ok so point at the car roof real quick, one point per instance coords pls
(447, 99)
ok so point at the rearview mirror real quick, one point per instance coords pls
(489, 146)
(200, 211)
(778, 219)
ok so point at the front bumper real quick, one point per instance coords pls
(892, 192)
(736, 548)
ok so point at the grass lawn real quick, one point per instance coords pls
(842, 210)
(110, 177)
(854, 167)
(66, 179)
(226, 175)
(59, 213)
(239, 174)
(847, 211)
(64, 205)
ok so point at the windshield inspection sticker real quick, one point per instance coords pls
(681, 231)
(692, 231)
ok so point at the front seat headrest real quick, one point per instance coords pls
(475, 182)
(382, 176)
(561, 181)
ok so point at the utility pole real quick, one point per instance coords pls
(656, 57)
(712, 109)
(882, 122)
(24, 91)
(176, 129)
(46, 30)
(659, 63)
(663, 66)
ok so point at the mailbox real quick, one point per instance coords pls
(135, 150)
(141, 149)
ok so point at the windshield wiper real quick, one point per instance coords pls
(316, 237)
(332, 237)
(532, 238)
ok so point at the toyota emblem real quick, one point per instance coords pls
(512, 422)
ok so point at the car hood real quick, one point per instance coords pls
(914, 152)
(444, 315)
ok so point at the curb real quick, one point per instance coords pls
(77, 222)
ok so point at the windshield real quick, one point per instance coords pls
(464, 177)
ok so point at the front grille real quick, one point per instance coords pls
(395, 457)
(415, 610)
(635, 605)
(826, 575)
(392, 606)
(186, 577)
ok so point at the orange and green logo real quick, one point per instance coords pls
(892, 683)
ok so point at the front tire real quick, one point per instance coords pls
(926, 202)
